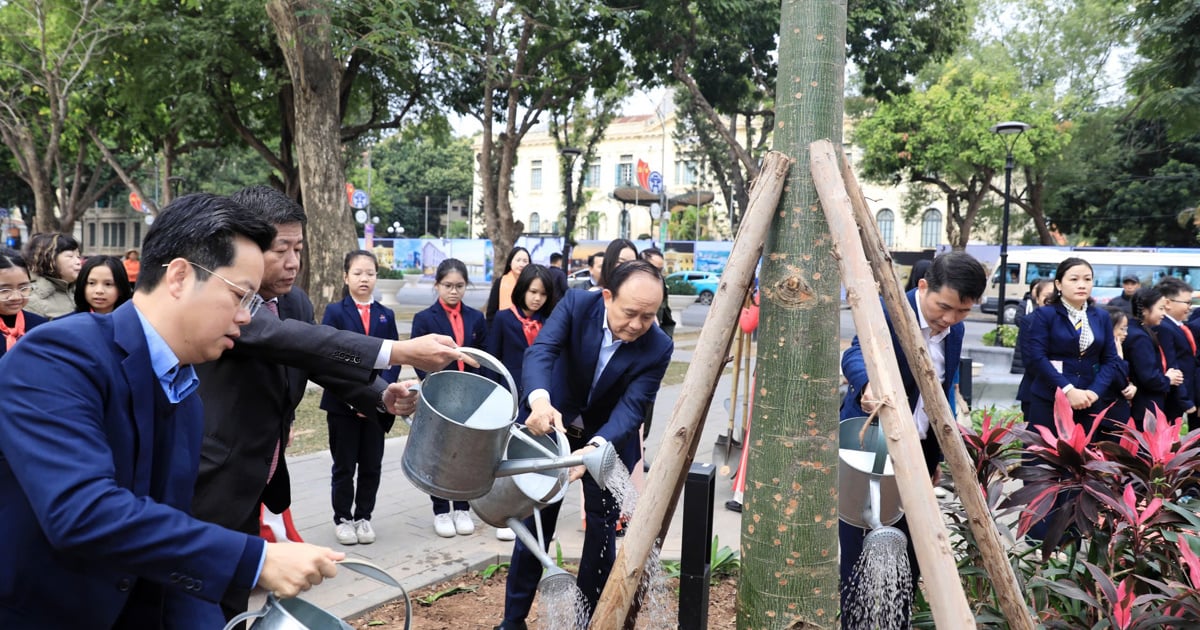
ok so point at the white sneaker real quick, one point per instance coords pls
(364, 532)
(443, 525)
(505, 533)
(463, 523)
(345, 533)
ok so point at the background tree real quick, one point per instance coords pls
(789, 520)
(1167, 78)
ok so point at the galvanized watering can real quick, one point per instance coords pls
(459, 442)
(297, 614)
(867, 493)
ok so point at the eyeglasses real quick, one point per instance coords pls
(249, 300)
(24, 290)
(1188, 302)
(453, 288)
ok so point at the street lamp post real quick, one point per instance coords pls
(1009, 132)
(572, 154)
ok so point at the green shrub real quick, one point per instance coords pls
(1008, 336)
(679, 286)
(390, 274)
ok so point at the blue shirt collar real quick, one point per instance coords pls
(178, 381)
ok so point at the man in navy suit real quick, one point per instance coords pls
(942, 300)
(598, 361)
(1179, 347)
(100, 440)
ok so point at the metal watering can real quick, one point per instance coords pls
(867, 495)
(297, 614)
(461, 431)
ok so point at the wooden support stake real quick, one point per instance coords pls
(930, 538)
(652, 518)
(941, 421)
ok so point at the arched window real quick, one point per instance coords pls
(887, 225)
(931, 228)
(535, 224)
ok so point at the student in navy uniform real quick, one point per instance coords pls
(15, 288)
(1148, 366)
(450, 316)
(356, 439)
(1179, 346)
(514, 329)
(1117, 398)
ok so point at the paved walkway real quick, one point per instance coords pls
(411, 552)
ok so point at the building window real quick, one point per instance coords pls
(535, 223)
(685, 173)
(107, 238)
(92, 234)
(625, 171)
(535, 178)
(120, 236)
(887, 225)
(137, 233)
(591, 176)
(931, 228)
(623, 230)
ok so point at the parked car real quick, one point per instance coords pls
(579, 279)
(702, 284)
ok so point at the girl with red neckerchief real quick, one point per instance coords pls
(15, 288)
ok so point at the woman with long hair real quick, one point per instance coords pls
(355, 440)
(102, 285)
(1039, 292)
(1148, 367)
(15, 288)
(450, 316)
(620, 250)
(500, 298)
(54, 263)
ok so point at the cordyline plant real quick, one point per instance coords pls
(1120, 552)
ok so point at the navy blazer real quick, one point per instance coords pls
(32, 320)
(1049, 339)
(1178, 350)
(562, 361)
(1146, 371)
(854, 368)
(96, 477)
(435, 320)
(344, 316)
(506, 342)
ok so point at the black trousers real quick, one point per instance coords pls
(355, 443)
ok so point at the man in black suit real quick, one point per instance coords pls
(598, 361)
(560, 276)
(1179, 347)
(1129, 285)
(250, 394)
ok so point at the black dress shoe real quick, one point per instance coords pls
(510, 625)
(733, 506)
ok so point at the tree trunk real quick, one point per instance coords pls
(303, 29)
(789, 537)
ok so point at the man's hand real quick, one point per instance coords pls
(543, 418)
(1081, 398)
(577, 472)
(291, 568)
(399, 400)
(429, 353)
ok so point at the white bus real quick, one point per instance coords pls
(1109, 264)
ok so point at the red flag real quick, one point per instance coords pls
(643, 174)
(349, 193)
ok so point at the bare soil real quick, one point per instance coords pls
(478, 603)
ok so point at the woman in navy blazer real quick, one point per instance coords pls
(513, 330)
(451, 284)
(15, 289)
(1121, 392)
(356, 440)
(1147, 364)
(1054, 359)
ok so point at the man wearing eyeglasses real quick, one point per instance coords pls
(251, 394)
(1179, 347)
(100, 438)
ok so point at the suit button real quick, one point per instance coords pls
(124, 585)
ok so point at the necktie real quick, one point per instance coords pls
(530, 326)
(273, 306)
(1082, 328)
(456, 325)
(1191, 339)
(11, 335)
(364, 311)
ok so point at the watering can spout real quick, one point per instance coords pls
(599, 464)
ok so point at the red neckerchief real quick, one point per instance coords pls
(530, 325)
(456, 324)
(11, 335)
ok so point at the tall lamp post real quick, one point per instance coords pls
(1009, 132)
(572, 154)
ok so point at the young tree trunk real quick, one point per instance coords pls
(789, 537)
(303, 30)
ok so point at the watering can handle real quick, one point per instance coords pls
(492, 363)
(246, 616)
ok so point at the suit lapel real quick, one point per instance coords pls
(139, 377)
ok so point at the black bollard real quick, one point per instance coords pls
(695, 567)
(965, 379)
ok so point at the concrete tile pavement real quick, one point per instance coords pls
(411, 552)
